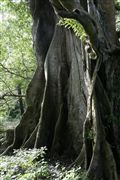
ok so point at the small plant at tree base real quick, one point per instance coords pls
(31, 165)
(24, 165)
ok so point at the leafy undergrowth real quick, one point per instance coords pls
(31, 165)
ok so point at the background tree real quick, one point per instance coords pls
(73, 100)
(17, 58)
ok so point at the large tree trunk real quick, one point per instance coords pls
(74, 101)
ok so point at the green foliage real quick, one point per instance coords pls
(24, 165)
(17, 62)
(31, 165)
(75, 26)
(118, 22)
(1, 128)
(74, 173)
(117, 2)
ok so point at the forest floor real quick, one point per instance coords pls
(32, 165)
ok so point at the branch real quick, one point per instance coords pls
(7, 86)
(13, 73)
(11, 95)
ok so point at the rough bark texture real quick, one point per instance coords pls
(74, 101)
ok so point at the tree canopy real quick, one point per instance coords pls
(17, 63)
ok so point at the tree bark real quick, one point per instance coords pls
(73, 101)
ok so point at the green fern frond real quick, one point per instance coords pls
(75, 26)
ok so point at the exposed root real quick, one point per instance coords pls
(30, 142)
(102, 165)
(80, 160)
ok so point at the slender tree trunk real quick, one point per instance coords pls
(21, 105)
